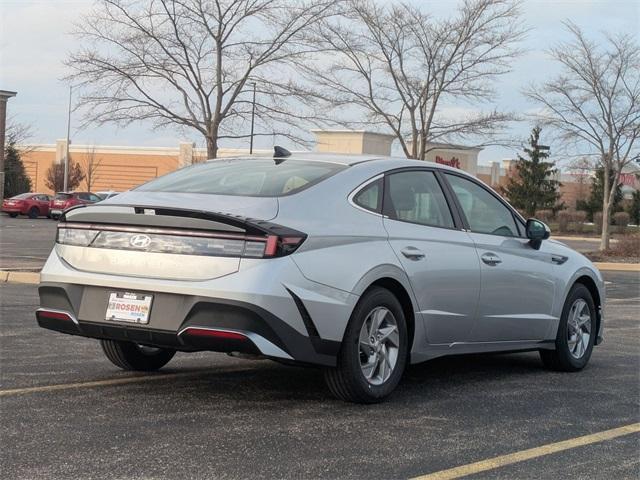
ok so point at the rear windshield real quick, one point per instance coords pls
(22, 196)
(63, 196)
(253, 177)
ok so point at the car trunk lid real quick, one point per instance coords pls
(151, 241)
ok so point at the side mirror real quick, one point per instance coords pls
(536, 232)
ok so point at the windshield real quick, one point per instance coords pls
(254, 177)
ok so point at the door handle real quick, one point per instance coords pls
(413, 253)
(491, 259)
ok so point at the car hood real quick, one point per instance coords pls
(262, 208)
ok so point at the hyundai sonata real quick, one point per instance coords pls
(356, 264)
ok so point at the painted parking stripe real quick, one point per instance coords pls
(523, 455)
(109, 382)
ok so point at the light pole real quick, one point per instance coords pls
(253, 115)
(5, 95)
(66, 156)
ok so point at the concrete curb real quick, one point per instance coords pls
(580, 239)
(31, 278)
(620, 267)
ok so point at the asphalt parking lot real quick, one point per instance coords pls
(66, 412)
(14, 232)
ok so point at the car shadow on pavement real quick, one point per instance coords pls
(263, 381)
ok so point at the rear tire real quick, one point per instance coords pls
(33, 213)
(13, 215)
(54, 217)
(131, 356)
(576, 333)
(357, 377)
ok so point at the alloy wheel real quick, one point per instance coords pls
(379, 345)
(579, 328)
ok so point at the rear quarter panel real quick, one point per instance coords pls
(346, 248)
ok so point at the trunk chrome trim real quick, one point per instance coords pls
(158, 231)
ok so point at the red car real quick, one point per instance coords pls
(32, 204)
(64, 200)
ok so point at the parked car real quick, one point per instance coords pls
(106, 195)
(33, 205)
(356, 264)
(65, 200)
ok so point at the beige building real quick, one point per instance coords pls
(121, 168)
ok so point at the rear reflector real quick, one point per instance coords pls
(54, 315)
(221, 334)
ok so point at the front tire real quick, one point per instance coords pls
(131, 356)
(576, 333)
(374, 350)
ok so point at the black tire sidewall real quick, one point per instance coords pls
(31, 211)
(129, 356)
(350, 351)
(562, 346)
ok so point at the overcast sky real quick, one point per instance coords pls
(34, 40)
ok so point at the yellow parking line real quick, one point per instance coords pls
(523, 455)
(103, 383)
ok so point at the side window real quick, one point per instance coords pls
(94, 198)
(416, 196)
(83, 196)
(370, 197)
(484, 212)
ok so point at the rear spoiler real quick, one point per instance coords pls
(173, 218)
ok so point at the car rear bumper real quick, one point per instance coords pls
(254, 310)
(208, 324)
(11, 210)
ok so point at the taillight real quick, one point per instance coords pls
(277, 246)
(185, 242)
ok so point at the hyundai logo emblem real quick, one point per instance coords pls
(140, 241)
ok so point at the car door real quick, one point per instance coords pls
(438, 256)
(517, 285)
(43, 204)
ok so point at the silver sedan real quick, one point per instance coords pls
(356, 264)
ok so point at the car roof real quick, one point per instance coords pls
(388, 162)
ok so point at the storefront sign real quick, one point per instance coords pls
(628, 179)
(454, 162)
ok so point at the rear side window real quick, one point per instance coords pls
(416, 197)
(370, 197)
(254, 177)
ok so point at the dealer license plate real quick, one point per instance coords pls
(129, 307)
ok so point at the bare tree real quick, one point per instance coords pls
(91, 165)
(594, 104)
(400, 68)
(190, 63)
(17, 133)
